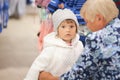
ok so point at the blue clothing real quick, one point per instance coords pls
(74, 5)
(53, 5)
(5, 13)
(101, 57)
(82, 38)
(0, 28)
(4, 16)
(29, 2)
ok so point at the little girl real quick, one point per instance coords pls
(61, 48)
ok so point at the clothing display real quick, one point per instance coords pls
(4, 6)
(17, 8)
(74, 5)
(29, 2)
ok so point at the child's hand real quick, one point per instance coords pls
(46, 76)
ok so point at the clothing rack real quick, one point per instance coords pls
(4, 16)
(5, 12)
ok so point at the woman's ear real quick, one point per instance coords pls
(100, 20)
(99, 17)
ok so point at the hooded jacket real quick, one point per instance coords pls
(57, 57)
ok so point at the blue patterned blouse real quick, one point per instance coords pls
(101, 57)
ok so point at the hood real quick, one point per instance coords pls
(52, 40)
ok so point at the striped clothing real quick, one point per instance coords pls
(74, 5)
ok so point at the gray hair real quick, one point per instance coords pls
(106, 8)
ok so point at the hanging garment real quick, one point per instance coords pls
(0, 28)
(74, 5)
(4, 6)
(45, 28)
(17, 7)
(5, 13)
(29, 2)
(42, 3)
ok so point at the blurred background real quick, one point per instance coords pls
(19, 25)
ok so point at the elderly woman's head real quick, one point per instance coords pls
(98, 13)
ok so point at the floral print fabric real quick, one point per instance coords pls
(101, 57)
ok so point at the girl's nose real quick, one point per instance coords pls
(68, 29)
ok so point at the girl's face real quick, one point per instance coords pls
(67, 30)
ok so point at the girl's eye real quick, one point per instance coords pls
(63, 26)
(71, 26)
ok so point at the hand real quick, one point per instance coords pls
(46, 76)
(61, 6)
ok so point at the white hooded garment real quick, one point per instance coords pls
(57, 57)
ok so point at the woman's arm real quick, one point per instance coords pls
(61, 6)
